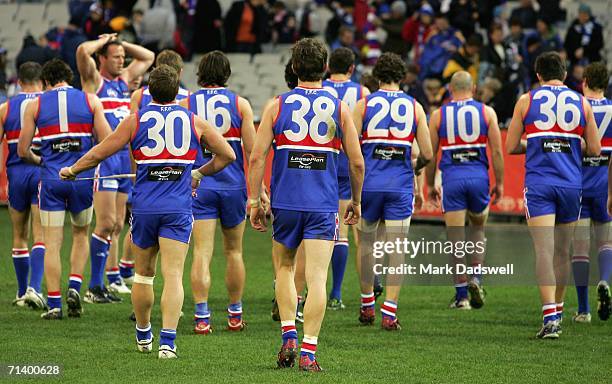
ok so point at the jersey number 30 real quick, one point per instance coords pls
(168, 140)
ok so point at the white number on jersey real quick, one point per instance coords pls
(323, 108)
(168, 140)
(121, 113)
(462, 123)
(404, 120)
(563, 109)
(605, 122)
(210, 111)
(62, 106)
(350, 96)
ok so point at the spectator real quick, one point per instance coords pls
(309, 24)
(208, 22)
(371, 48)
(284, 26)
(370, 82)
(186, 17)
(553, 11)
(31, 51)
(515, 42)
(416, 30)
(434, 94)
(79, 10)
(342, 16)
(393, 25)
(463, 15)
(411, 85)
(346, 39)
(493, 56)
(535, 48)
(73, 37)
(584, 39)
(246, 26)
(157, 27)
(465, 59)
(95, 24)
(526, 14)
(550, 38)
(575, 77)
(442, 42)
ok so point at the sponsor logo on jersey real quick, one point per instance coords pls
(66, 145)
(165, 172)
(307, 160)
(596, 161)
(464, 156)
(386, 152)
(556, 145)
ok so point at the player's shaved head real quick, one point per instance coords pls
(309, 59)
(163, 84)
(596, 76)
(171, 59)
(461, 82)
(29, 72)
(214, 70)
(56, 71)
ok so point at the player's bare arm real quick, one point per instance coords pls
(28, 130)
(257, 163)
(423, 139)
(248, 136)
(135, 100)
(591, 136)
(497, 156)
(101, 129)
(223, 154)
(90, 77)
(109, 146)
(3, 109)
(514, 144)
(430, 170)
(352, 148)
(142, 59)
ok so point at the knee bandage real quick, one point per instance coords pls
(140, 279)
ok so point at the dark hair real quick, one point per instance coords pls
(104, 50)
(214, 69)
(340, 61)
(290, 77)
(390, 68)
(370, 82)
(309, 58)
(55, 71)
(495, 26)
(163, 84)
(474, 40)
(596, 76)
(171, 59)
(515, 21)
(29, 72)
(550, 66)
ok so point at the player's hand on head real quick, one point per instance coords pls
(497, 193)
(66, 174)
(108, 37)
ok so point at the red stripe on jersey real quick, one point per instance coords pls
(232, 132)
(113, 104)
(389, 136)
(72, 128)
(165, 155)
(11, 135)
(482, 139)
(605, 141)
(308, 142)
(531, 128)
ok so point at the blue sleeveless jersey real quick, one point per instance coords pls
(12, 126)
(463, 134)
(554, 124)
(389, 126)
(146, 97)
(307, 139)
(595, 169)
(350, 92)
(65, 123)
(115, 98)
(164, 147)
(219, 107)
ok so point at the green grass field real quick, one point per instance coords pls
(436, 345)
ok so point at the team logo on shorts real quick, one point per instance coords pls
(596, 161)
(464, 155)
(66, 145)
(165, 173)
(383, 152)
(556, 145)
(307, 160)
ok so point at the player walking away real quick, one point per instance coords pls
(594, 198)
(223, 195)
(110, 83)
(139, 99)
(555, 119)
(67, 121)
(308, 125)
(388, 121)
(339, 84)
(463, 128)
(23, 181)
(164, 139)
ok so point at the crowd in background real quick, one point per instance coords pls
(436, 37)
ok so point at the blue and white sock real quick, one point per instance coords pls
(113, 276)
(309, 346)
(21, 262)
(289, 331)
(202, 313)
(605, 263)
(54, 300)
(559, 311)
(167, 337)
(461, 291)
(37, 265)
(126, 268)
(580, 269)
(234, 311)
(98, 251)
(389, 309)
(144, 334)
(549, 312)
(338, 261)
(75, 281)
